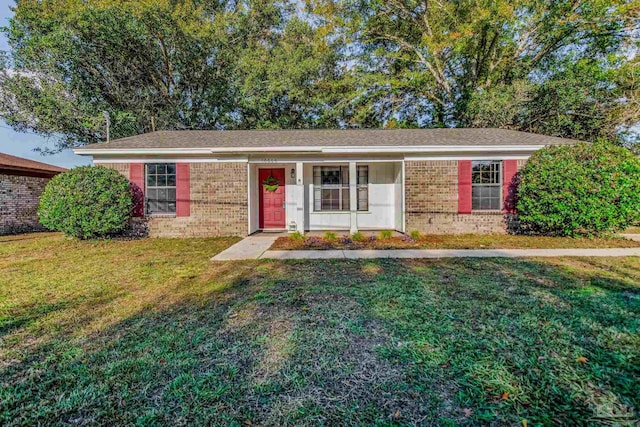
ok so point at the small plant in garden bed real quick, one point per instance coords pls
(386, 234)
(296, 236)
(407, 238)
(358, 237)
(415, 235)
(330, 236)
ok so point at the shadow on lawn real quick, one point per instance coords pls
(352, 342)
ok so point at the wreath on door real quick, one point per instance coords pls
(271, 184)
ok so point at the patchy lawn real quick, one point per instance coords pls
(150, 332)
(452, 241)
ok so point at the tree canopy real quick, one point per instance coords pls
(567, 68)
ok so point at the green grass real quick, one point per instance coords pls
(152, 333)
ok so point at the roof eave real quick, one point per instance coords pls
(433, 149)
(319, 149)
(189, 151)
(17, 170)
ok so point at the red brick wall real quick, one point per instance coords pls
(432, 201)
(19, 197)
(219, 205)
(219, 202)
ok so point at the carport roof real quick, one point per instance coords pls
(19, 165)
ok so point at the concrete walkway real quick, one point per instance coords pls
(251, 247)
(450, 253)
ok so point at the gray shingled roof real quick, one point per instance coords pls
(329, 138)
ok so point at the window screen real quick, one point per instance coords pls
(331, 190)
(486, 185)
(161, 188)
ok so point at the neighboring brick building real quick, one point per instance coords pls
(22, 182)
(212, 183)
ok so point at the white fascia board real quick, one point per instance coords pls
(438, 149)
(470, 157)
(190, 151)
(130, 151)
(317, 160)
(170, 160)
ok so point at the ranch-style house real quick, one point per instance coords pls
(213, 183)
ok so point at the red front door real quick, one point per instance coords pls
(272, 213)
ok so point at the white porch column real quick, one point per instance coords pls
(353, 196)
(299, 197)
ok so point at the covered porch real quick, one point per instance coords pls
(345, 195)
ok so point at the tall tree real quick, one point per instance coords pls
(443, 63)
(289, 82)
(190, 64)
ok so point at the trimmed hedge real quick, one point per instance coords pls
(585, 189)
(86, 202)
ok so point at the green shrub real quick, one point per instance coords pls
(330, 236)
(357, 237)
(586, 189)
(296, 236)
(87, 202)
(385, 234)
(415, 235)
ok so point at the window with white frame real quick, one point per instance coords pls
(160, 194)
(331, 188)
(363, 188)
(486, 178)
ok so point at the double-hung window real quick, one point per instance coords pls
(160, 197)
(331, 188)
(363, 188)
(486, 178)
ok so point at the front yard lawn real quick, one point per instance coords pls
(150, 332)
(372, 240)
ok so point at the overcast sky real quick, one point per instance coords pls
(23, 144)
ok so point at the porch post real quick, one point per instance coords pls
(299, 197)
(353, 196)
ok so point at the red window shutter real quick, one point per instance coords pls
(464, 186)
(136, 177)
(510, 169)
(183, 192)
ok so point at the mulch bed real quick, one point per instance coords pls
(467, 241)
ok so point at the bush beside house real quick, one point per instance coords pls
(585, 189)
(87, 202)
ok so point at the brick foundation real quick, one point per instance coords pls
(218, 207)
(432, 201)
(19, 197)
